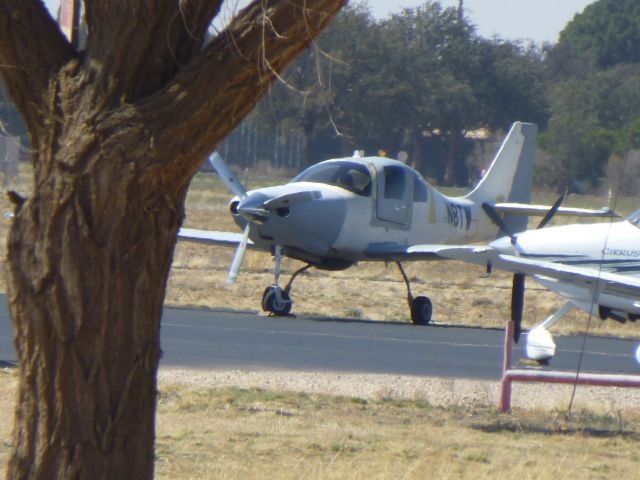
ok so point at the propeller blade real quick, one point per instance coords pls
(552, 211)
(517, 304)
(226, 175)
(239, 257)
(497, 220)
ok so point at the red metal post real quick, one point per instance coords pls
(505, 384)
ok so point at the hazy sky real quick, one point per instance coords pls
(538, 20)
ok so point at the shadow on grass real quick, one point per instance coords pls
(585, 426)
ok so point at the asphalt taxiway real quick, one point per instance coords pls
(213, 339)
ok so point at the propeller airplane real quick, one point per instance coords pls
(343, 211)
(596, 267)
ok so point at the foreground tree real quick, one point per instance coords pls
(118, 130)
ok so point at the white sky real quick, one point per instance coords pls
(538, 20)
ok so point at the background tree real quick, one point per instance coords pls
(307, 100)
(594, 92)
(605, 34)
(459, 82)
(118, 130)
(589, 114)
(420, 81)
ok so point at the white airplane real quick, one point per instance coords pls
(342, 211)
(596, 267)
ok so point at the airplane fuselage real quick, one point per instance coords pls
(390, 208)
(606, 247)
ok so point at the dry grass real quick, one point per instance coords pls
(254, 434)
(8, 385)
(251, 433)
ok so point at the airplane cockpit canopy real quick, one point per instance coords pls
(634, 218)
(351, 176)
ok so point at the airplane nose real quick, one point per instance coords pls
(503, 245)
(251, 207)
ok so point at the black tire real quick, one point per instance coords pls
(421, 310)
(271, 304)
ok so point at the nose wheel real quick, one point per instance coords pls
(277, 301)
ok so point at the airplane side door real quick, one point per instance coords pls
(395, 193)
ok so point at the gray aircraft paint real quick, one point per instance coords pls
(340, 224)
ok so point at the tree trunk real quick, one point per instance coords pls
(118, 131)
(88, 274)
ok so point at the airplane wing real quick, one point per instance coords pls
(230, 239)
(611, 283)
(542, 210)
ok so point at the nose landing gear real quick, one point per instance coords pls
(275, 299)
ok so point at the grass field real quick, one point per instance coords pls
(255, 434)
(231, 433)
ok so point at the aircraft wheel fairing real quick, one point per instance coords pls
(278, 306)
(421, 310)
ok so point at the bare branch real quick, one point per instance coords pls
(27, 31)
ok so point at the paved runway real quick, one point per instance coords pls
(223, 340)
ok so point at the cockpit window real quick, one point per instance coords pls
(634, 218)
(351, 176)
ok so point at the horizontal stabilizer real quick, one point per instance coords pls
(541, 210)
(211, 237)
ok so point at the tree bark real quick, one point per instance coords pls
(117, 131)
(88, 271)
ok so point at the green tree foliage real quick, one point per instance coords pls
(594, 92)
(593, 117)
(607, 33)
(418, 81)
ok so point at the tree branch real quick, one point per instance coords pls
(32, 51)
(212, 94)
(160, 37)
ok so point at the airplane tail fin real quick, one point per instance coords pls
(509, 177)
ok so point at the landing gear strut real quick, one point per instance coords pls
(421, 308)
(275, 299)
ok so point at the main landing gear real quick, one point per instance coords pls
(275, 299)
(421, 308)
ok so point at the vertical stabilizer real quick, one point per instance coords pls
(510, 175)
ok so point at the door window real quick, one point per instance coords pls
(394, 182)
